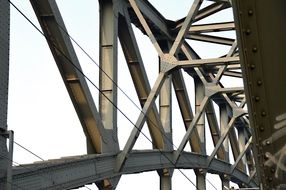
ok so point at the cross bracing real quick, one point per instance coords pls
(106, 160)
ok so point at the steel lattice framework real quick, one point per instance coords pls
(105, 162)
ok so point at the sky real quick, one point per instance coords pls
(40, 111)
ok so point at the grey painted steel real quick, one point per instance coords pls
(60, 44)
(262, 40)
(165, 110)
(224, 120)
(108, 72)
(175, 56)
(211, 39)
(139, 77)
(4, 78)
(74, 172)
(185, 108)
(122, 157)
(9, 181)
(4, 64)
(199, 96)
(214, 27)
(185, 26)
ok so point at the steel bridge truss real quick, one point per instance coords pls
(106, 162)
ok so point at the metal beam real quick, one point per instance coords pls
(262, 39)
(77, 171)
(211, 61)
(211, 39)
(153, 16)
(145, 26)
(139, 77)
(4, 78)
(108, 69)
(165, 110)
(140, 122)
(185, 27)
(200, 126)
(214, 128)
(224, 120)
(205, 12)
(213, 27)
(190, 130)
(61, 47)
(185, 108)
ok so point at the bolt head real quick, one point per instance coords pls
(250, 12)
(266, 156)
(247, 31)
(252, 66)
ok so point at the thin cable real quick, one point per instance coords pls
(211, 183)
(36, 155)
(87, 187)
(42, 176)
(29, 151)
(97, 87)
(20, 165)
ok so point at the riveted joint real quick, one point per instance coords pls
(250, 12)
(247, 31)
(259, 82)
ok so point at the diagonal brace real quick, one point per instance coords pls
(241, 154)
(140, 122)
(222, 138)
(190, 129)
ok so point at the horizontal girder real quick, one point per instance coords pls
(77, 171)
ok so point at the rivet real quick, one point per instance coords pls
(267, 142)
(257, 98)
(263, 113)
(254, 49)
(270, 179)
(252, 66)
(248, 31)
(266, 156)
(261, 128)
(250, 12)
(259, 82)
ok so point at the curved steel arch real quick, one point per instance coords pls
(92, 168)
(171, 41)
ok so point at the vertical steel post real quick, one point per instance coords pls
(241, 144)
(108, 79)
(199, 96)
(10, 160)
(262, 39)
(224, 120)
(165, 103)
(108, 71)
(4, 77)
